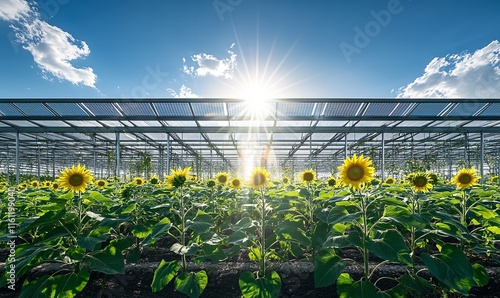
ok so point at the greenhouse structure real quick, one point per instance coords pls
(129, 137)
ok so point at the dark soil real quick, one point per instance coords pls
(297, 279)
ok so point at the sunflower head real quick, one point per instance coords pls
(100, 183)
(47, 183)
(154, 180)
(331, 181)
(465, 178)
(308, 176)
(138, 181)
(211, 183)
(75, 178)
(420, 182)
(222, 178)
(494, 180)
(356, 170)
(193, 178)
(259, 177)
(54, 186)
(4, 183)
(178, 177)
(35, 184)
(389, 180)
(235, 183)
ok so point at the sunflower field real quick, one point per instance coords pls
(439, 234)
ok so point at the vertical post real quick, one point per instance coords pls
(17, 157)
(382, 168)
(8, 165)
(38, 162)
(94, 154)
(168, 154)
(310, 152)
(211, 163)
(345, 145)
(53, 164)
(481, 157)
(466, 145)
(117, 143)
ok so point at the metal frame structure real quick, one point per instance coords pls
(42, 135)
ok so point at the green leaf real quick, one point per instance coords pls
(99, 197)
(452, 268)
(240, 238)
(337, 214)
(327, 268)
(141, 231)
(108, 261)
(48, 218)
(391, 246)
(133, 255)
(184, 250)
(347, 288)
(159, 229)
(89, 242)
(214, 253)
(293, 231)
(191, 284)
(201, 222)
(267, 287)
(480, 275)
(484, 212)
(60, 286)
(164, 273)
(415, 285)
(129, 208)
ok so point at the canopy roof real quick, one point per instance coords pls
(307, 130)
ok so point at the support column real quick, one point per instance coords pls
(53, 164)
(17, 157)
(382, 167)
(310, 152)
(345, 146)
(8, 165)
(38, 163)
(481, 158)
(117, 143)
(168, 154)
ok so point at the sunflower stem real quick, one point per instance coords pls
(183, 228)
(365, 236)
(263, 233)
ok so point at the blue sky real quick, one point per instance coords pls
(233, 48)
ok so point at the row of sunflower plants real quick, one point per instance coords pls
(430, 229)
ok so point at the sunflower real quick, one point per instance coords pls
(259, 177)
(154, 180)
(47, 183)
(356, 170)
(75, 178)
(35, 184)
(4, 183)
(465, 178)
(494, 180)
(222, 178)
(139, 181)
(101, 183)
(211, 183)
(178, 177)
(331, 181)
(389, 180)
(54, 186)
(420, 182)
(235, 183)
(308, 176)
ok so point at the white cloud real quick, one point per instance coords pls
(52, 48)
(206, 64)
(462, 75)
(184, 92)
(12, 10)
